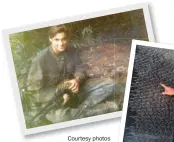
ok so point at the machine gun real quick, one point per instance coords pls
(55, 102)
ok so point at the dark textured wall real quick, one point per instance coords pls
(150, 116)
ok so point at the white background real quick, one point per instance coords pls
(20, 13)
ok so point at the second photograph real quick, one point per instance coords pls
(148, 113)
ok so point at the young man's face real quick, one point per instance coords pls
(59, 42)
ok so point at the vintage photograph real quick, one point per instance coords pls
(148, 114)
(69, 71)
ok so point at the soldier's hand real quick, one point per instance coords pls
(74, 85)
(66, 98)
(167, 90)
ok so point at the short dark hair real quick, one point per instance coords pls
(58, 29)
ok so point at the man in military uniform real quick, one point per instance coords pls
(60, 62)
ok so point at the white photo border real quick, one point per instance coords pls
(129, 78)
(7, 32)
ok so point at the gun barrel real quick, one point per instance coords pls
(55, 102)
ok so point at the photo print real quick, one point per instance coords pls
(148, 112)
(73, 71)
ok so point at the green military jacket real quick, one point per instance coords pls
(48, 70)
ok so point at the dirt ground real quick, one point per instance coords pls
(108, 60)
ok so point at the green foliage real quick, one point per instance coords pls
(87, 32)
(24, 47)
(86, 39)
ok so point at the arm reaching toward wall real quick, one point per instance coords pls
(167, 90)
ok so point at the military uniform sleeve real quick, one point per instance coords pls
(35, 76)
(35, 84)
(80, 68)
